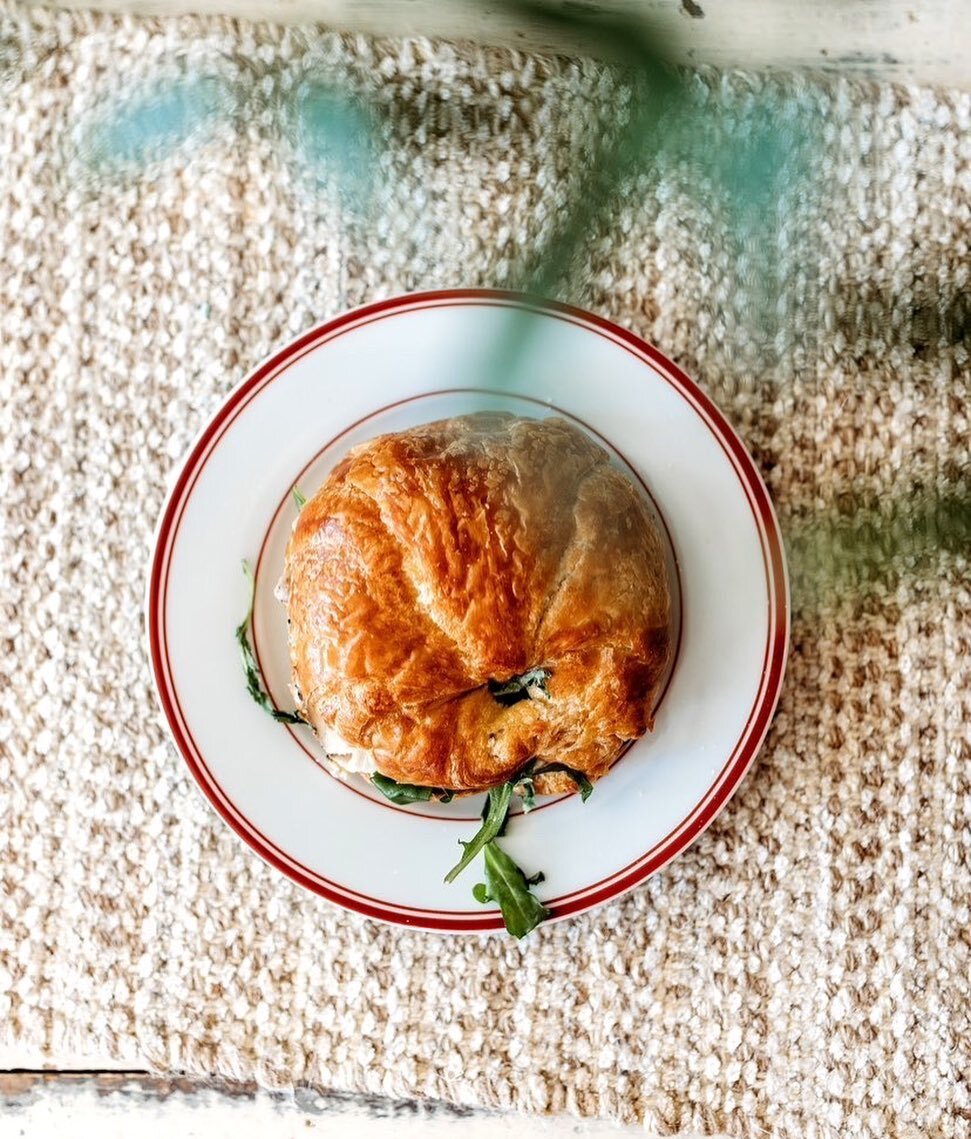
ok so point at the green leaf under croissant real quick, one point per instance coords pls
(254, 678)
(404, 793)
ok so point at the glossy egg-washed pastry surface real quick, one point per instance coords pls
(474, 549)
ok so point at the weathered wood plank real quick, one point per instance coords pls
(139, 1086)
(38, 1105)
(921, 41)
(21, 1083)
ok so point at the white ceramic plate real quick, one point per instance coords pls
(389, 366)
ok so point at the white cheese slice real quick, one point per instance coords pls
(354, 760)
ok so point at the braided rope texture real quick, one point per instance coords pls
(805, 968)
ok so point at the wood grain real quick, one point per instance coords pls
(19, 1084)
(920, 41)
(37, 1104)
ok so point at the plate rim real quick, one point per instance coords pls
(724, 783)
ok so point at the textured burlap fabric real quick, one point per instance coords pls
(804, 968)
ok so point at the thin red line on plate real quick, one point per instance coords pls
(343, 887)
(284, 504)
(777, 640)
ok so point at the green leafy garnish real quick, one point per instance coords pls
(298, 497)
(497, 808)
(484, 814)
(254, 681)
(517, 688)
(480, 891)
(507, 885)
(404, 793)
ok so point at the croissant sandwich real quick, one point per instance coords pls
(474, 595)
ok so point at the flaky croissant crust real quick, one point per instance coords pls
(473, 549)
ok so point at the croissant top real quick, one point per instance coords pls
(440, 563)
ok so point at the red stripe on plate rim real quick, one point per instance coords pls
(742, 755)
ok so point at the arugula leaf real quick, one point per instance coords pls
(497, 808)
(484, 814)
(480, 891)
(517, 688)
(254, 681)
(509, 887)
(399, 792)
(505, 883)
(584, 786)
(403, 793)
(298, 497)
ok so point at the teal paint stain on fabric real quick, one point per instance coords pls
(149, 124)
(335, 140)
(763, 157)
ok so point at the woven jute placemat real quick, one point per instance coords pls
(804, 968)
